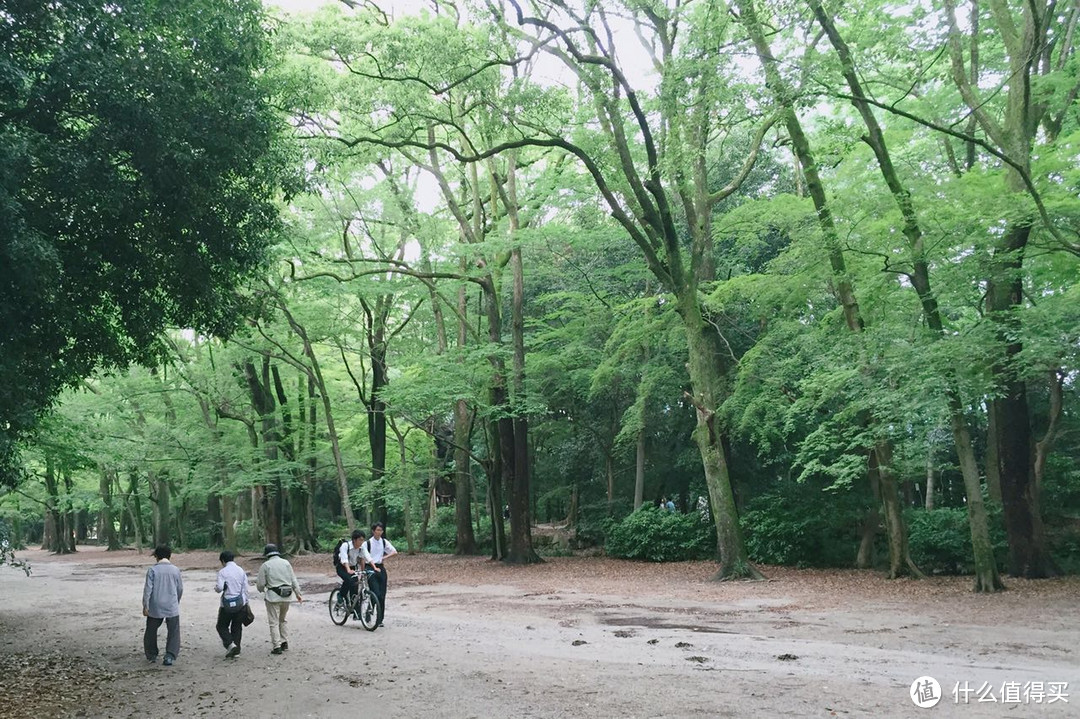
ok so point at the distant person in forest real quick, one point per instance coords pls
(277, 581)
(669, 506)
(375, 550)
(161, 603)
(232, 585)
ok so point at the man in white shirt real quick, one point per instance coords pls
(375, 551)
(349, 562)
(232, 584)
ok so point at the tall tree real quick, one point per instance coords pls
(986, 574)
(141, 163)
(647, 163)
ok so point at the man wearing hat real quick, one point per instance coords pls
(277, 582)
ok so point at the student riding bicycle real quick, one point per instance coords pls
(348, 562)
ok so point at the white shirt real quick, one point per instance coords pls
(349, 556)
(343, 554)
(236, 578)
(376, 550)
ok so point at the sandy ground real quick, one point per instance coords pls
(574, 637)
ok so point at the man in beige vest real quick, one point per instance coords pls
(277, 582)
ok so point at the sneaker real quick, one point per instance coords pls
(152, 660)
(277, 650)
(284, 646)
(234, 651)
(168, 661)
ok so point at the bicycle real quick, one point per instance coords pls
(364, 605)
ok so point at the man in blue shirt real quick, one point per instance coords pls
(161, 603)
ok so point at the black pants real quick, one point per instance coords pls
(377, 581)
(349, 583)
(230, 625)
(172, 643)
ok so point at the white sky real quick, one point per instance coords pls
(546, 70)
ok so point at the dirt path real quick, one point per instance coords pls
(570, 638)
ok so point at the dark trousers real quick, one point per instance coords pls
(349, 582)
(230, 625)
(172, 642)
(377, 581)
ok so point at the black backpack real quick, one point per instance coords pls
(337, 552)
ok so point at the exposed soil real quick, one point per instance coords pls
(574, 637)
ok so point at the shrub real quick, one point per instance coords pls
(594, 519)
(802, 526)
(442, 533)
(655, 535)
(940, 539)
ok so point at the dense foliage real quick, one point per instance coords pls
(657, 535)
(800, 268)
(141, 162)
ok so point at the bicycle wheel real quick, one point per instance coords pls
(369, 610)
(339, 608)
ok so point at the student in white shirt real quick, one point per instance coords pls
(375, 551)
(232, 584)
(348, 562)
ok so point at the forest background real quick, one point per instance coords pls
(809, 270)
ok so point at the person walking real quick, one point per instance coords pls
(375, 551)
(232, 585)
(161, 603)
(277, 581)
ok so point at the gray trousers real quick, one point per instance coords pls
(172, 642)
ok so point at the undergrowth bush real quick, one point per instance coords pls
(656, 535)
(940, 539)
(802, 526)
(442, 533)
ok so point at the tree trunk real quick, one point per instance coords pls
(108, 526)
(376, 413)
(162, 507)
(521, 548)
(705, 376)
(993, 475)
(429, 509)
(899, 560)
(135, 508)
(312, 458)
(928, 494)
(1046, 444)
(865, 557)
(53, 539)
(1028, 554)
(335, 446)
(213, 517)
(228, 521)
(639, 470)
(271, 496)
(465, 541)
(987, 578)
